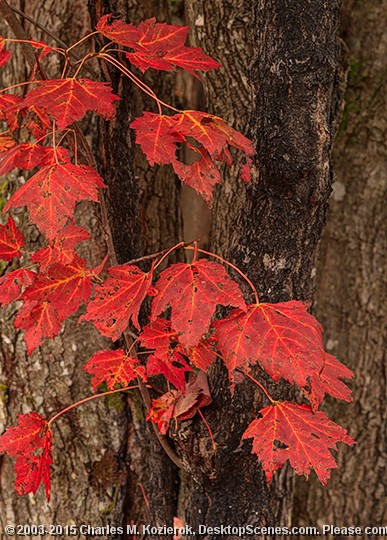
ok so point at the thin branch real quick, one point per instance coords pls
(7, 12)
(40, 26)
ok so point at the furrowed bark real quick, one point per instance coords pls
(351, 292)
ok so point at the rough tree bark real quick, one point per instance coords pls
(272, 230)
(351, 292)
(89, 444)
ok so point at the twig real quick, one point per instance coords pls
(7, 12)
(40, 26)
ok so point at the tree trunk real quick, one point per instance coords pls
(89, 470)
(352, 281)
(272, 228)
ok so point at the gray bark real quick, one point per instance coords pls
(351, 291)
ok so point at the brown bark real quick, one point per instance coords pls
(89, 471)
(271, 229)
(352, 281)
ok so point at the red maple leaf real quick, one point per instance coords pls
(52, 298)
(283, 338)
(4, 54)
(30, 443)
(180, 405)
(308, 437)
(202, 355)
(159, 336)
(157, 45)
(68, 100)
(197, 395)
(30, 155)
(62, 248)
(42, 47)
(118, 300)
(167, 358)
(158, 136)
(173, 367)
(51, 194)
(157, 140)
(112, 368)
(64, 285)
(202, 174)
(161, 411)
(12, 284)
(11, 240)
(40, 320)
(328, 381)
(193, 291)
(9, 110)
(6, 142)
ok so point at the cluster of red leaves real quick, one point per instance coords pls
(182, 339)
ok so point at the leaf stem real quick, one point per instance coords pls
(81, 40)
(85, 400)
(208, 429)
(260, 385)
(32, 42)
(177, 246)
(18, 84)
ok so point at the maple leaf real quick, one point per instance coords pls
(30, 442)
(9, 110)
(212, 132)
(29, 155)
(51, 194)
(157, 45)
(197, 395)
(68, 100)
(4, 54)
(65, 285)
(193, 291)
(173, 368)
(12, 284)
(161, 411)
(42, 47)
(202, 355)
(180, 405)
(202, 175)
(11, 240)
(118, 300)
(62, 248)
(283, 338)
(154, 135)
(328, 381)
(308, 437)
(160, 336)
(40, 320)
(112, 368)
(158, 136)
(52, 298)
(167, 358)
(6, 142)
